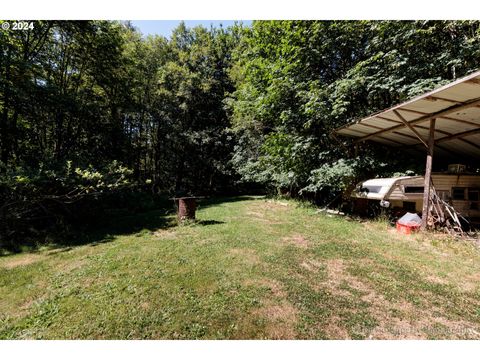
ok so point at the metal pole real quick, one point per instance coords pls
(428, 175)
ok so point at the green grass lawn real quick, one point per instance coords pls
(249, 268)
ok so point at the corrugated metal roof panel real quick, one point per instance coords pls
(447, 103)
(428, 105)
(461, 92)
(462, 147)
(380, 122)
(472, 114)
(407, 115)
(401, 139)
(452, 126)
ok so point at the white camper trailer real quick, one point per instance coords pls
(444, 122)
(460, 190)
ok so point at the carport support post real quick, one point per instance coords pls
(428, 175)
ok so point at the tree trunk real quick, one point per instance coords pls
(5, 123)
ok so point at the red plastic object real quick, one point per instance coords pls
(407, 229)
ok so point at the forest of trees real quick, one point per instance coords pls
(93, 115)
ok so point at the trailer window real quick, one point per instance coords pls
(371, 189)
(413, 189)
(474, 198)
(458, 193)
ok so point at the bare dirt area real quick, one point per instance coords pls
(277, 314)
(395, 319)
(22, 260)
(297, 240)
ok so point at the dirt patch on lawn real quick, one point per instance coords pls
(256, 215)
(280, 319)
(265, 211)
(297, 240)
(388, 326)
(164, 234)
(335, 330)
(27, 304)
(397, 319)
(471, 283)
(465, 282)
(263, 217)
(312, 265)
(276, 315)
(276, 204)
(145, 305)
(21, 260)
(338, 277)
(424, 326)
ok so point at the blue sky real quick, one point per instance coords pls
(165, 27)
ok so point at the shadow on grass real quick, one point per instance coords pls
(100, 233)
(128, 225)
(209, 222)
(151, 221)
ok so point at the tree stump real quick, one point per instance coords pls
(186, 208)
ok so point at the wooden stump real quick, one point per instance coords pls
(186, 208)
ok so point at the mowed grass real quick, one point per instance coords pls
(250, 268)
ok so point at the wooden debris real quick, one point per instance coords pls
(442, 215)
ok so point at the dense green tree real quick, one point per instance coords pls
(86, 98)
(92, 108)
(296, 81)
(192, 86)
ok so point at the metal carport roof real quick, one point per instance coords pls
(446, 120)
(456, 108)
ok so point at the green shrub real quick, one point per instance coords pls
(53, 201)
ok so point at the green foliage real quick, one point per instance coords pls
(336, 177)
(209, 110)
(94, 93)
(296, 81)
(49, 200)
(65, 179)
